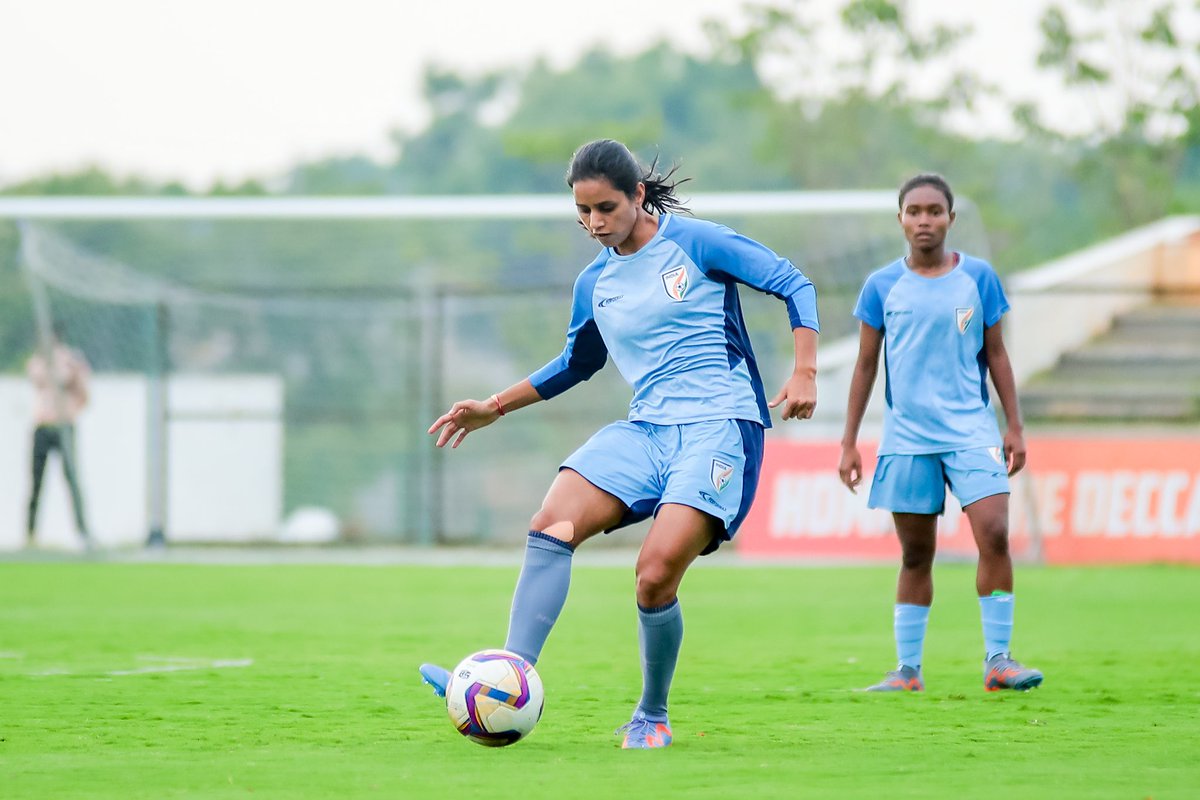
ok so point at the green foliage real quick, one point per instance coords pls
(1060, 50)
(90, 181)
(649, 101)
(513, 130)
(1140, 84)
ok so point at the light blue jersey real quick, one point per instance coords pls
(934, 361)
(670, 317)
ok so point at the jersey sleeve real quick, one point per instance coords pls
(585, 352)
(718, 250)
(991, 295)
(869, 308)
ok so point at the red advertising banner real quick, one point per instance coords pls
(1079, 500)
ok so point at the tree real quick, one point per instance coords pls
(1132, 82)
(513, 132)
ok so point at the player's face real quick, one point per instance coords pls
(606, 212)
(925, 218)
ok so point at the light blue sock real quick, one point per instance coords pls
(996, 611)
(540, 594)
(660, 633)
(909, 626)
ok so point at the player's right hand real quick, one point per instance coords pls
(850, 468)
(462, 418)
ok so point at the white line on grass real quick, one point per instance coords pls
(227, 663)
(164, 664)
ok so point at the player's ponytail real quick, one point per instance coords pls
(611, 160)
(660, 190)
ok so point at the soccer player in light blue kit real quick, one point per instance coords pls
(936, 315)
(661, 298)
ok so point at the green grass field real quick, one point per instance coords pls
(167, 680)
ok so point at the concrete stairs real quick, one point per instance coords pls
(1146, 368)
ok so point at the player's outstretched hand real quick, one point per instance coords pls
(798, 397)
(850, 468)
(462, 418)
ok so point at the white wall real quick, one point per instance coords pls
(225, 462)
(1060, 305)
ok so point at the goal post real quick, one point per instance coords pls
(276, 361)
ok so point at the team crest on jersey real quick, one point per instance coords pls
(721, 474)
(963, 317)
(676, 283)
(995, 453)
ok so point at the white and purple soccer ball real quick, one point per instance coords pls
(494, 698)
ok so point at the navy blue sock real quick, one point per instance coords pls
(540, 594)
(660, 633)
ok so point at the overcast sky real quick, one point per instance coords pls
(229, 89)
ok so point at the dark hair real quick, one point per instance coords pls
(611, 160)
(928, 179)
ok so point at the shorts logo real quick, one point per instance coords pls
(608, 301)
(963, 317)
(708, 498)
(676, 283)
(720, 474)
(994, 452)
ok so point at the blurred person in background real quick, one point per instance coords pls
(60, 376)
(935, 314)
(661, 298)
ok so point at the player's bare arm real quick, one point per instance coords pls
(1000, 367)
(471, 415)
(870, 342)
(798, 397)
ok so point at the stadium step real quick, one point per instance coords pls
(1100, 401)
(1146, 368)
(1157, 319)
(1129, 363)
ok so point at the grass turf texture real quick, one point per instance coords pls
(763, 704)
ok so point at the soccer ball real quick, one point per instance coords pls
(494, 698)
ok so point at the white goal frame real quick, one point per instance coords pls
(835, 357)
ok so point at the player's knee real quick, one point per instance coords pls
(917, 557)
(553, 525)
(993, 542)
(656, 584)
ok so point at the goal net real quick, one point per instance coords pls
(266, 369)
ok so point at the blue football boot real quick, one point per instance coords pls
(435, 676)
(1002, 671)
(644, 734)
(902, 679)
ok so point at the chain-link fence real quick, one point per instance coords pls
(370, 327)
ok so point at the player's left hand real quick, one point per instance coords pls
(798, 397)
(850, 468)
(1014, 451)
(462, 418)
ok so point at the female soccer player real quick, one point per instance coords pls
(661, 298)
(936, 314)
